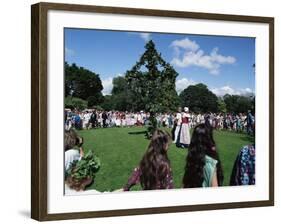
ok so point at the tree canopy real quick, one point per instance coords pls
(83, 84)
(239, 104)
(121, 94)
(199, 99)
(151, 82)
(74, 102)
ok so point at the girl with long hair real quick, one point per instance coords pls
(154, 170)
(203, 166)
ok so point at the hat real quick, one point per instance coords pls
(186, 109)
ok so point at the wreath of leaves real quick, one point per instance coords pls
(87, 167)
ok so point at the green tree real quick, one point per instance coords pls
(121, 95)
(95, 100)
(108, 103)
(199, 99)
(239, 104)
(82, 83)
(74, 102)
(221, 105)
(151, 83)
(119, 85)
(230, 102)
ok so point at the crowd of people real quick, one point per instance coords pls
(89, 118)
(203, 166)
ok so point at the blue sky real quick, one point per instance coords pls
(224, 64)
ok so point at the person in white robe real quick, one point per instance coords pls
(184, 135)
(178, 125)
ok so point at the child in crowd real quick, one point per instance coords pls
(203, 167)
(154, 170)
(72, 147)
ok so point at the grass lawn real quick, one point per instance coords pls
(121, 149)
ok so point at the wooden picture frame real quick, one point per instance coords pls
(39, 109)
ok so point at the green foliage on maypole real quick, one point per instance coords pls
(152, 84)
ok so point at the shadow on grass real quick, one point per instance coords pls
(137, 133)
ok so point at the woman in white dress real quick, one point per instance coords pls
(184, 135)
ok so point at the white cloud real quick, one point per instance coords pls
(69, 52)
(145, 36)
(185, 44)
(220, 58)
(248, 90)
(107, 86)
(221, 91)
(183, 83)
(188, 53)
